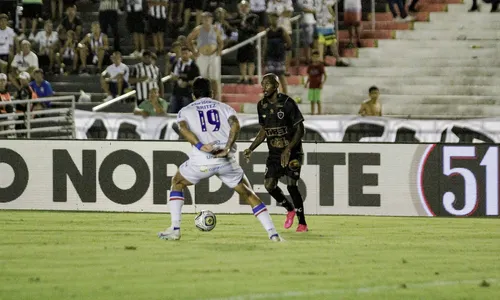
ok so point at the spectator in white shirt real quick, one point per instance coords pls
(7, 42)
(308, 25)
(284, 9)
(325, 29)
(115, 78)
(258, 7)
(47, 42)
(24, 61)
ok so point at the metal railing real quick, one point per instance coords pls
(258, 37)
(55, 121)
(124, 96)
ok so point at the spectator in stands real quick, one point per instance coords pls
(32, 10)
(157, 23)
(185, 71)
(248, 27)
(413, 6)
(475, 6)
(325, 30)
(41, 87)
(72, 22)
(208, 50)
(114, 80)
(94, 49)
(258, 7)
(55, 4)
(371, 107)
(145, 76)
(46, 41)
(108, 17)
(352, 19)
(175, 52)
(67, 52)
(403, 14)
(25, 92)
(136, 25)
(153, 106)
(198, 6)
(275, 44)
(308, 25)
(176, 13)
(315, 80)
(9, 8)
(212, 5)
(4, 96)
(24, 61)
(227, 31)
(284, 9)
(8, 42)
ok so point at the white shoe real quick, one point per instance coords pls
(409, 18)
(31, 37)
(170, 234)
(107, 98)
(276, 238)
(136, 54)
(398, 19)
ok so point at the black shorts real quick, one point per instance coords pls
(135, 22)
(32, 10)
(157, 25)
(43, 61)
(106, 61)
(275, 170)
(262, 18)
(4, 58)
(246, 54)
(69, 2)
(195, 4)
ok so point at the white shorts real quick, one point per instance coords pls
(229, 173)
(209, 66)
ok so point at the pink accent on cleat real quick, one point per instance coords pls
(289, 219)
(302, 228)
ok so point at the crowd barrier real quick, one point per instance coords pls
(337, 178)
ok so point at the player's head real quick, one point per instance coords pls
(96, 28)
(201, 88)
(3, 82)
(270, 84)
(38, 75)
(185, 54)
(154, 93)
(207, 18)
(116, 58)
(373, 92)
(26, 47)
(4, 20)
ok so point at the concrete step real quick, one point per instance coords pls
(404, 89)
(456, 25)
(484, 34)
(369, 34)
(417, 60)
(409, 110)
(413, 80)
(436, 44)
(459, 52)
(463, 8)
(387, 16)
(464, 16)
(414, 71)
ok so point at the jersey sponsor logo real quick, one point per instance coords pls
(276, 131)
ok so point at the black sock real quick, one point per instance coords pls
(277, 194)
(298, 203)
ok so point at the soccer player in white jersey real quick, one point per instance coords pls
(212, 128)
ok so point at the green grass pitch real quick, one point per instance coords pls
(61, 255)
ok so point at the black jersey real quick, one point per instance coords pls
(280, 120)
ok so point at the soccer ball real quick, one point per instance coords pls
(205, 220)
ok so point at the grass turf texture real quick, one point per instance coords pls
(59, 255)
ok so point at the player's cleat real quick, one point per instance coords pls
(276, 238)
(302, 228)
(170, 234)
(289, 219)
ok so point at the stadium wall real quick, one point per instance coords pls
(338, 178)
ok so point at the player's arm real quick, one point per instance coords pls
(259, 139)
(297, 121)
(220, 41)
(190, 39)
(362, 110)
(191, 137)
(234, 123)
(288, 40)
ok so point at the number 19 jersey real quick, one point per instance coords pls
(208, 120)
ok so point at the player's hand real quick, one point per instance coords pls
(208, 147)
(222, 153)
(285, 157)
(247, 153)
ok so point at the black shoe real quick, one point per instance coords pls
(249, 81)
(412, 10)
(474, 8)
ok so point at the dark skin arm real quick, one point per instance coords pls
(285, 156)
(261, 136)
(191, 137)
(233, 135)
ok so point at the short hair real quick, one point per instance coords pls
(4, 17)
(117, 53)
(207, 14)
(38, 71)
(202, 87)
(315, 52)
(372, 88)
(185, 49)
(272, 76)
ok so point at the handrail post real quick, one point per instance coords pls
(337, 22)
(28, 119)
(297, 43)
(73, 126)
(259, 60)
(373, 15)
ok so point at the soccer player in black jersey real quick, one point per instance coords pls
(282, 124)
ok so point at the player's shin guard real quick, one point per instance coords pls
(176, 202)
(261, 213)
(277, 194)
(297, 202)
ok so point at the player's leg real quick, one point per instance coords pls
(233, 176)
(293, 175)
(273, 172)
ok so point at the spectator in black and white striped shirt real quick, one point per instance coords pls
(145, 76)
(108, 17)
(136, 25)
(158, 22)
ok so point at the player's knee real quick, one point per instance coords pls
(270, 185)
(177, 182)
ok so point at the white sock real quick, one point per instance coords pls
(176, 202)
(260, 211)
